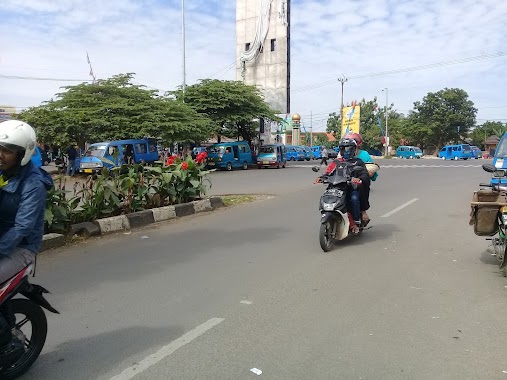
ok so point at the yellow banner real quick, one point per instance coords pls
(351, 119)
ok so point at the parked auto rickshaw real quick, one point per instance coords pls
(272, 155)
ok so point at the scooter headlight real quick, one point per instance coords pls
(328, 206)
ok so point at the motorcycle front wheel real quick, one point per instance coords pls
(31, 321)
(326, 239)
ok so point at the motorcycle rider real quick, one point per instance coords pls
(23, 188)
(365, 190)
(360, 178)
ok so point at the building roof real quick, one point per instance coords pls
(330, 136)
(492, 140)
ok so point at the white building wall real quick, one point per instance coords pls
(271, 69)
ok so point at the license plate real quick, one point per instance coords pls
(265, 162)
(88, 171)
(211, 163)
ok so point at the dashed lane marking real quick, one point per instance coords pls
(165, 351)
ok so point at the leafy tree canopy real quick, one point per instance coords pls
(480, 134)
(231, 105)
(442, 117)
(114, 109)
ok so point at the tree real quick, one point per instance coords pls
(442, 117)
(369, 127)
(114, 109)
(323, 140)
(231, 105)
(481, 133)
(334, 124)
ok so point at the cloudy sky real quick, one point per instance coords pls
(465, 39)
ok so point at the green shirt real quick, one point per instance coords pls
(2, 182)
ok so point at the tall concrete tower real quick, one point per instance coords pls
(263, 49)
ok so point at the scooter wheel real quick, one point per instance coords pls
(325, 239)
(33, 314)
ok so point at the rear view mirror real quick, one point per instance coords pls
(315, 168)
(489, 168)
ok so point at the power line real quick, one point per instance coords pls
(405, 70)
(304, 88)
(43, 78)
(226, 68)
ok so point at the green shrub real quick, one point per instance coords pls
(125, 189)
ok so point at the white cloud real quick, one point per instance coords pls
(329, 38)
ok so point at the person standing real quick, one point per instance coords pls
(71, 160)
(324, 156)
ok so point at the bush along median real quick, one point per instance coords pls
(127, 197)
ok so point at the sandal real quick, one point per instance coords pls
(366, 221)
(355, 230)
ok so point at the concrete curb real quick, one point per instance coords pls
(184, 209)
(112, 224)
(52, 241)
(164, 213)
(133, 220)
(140, 218)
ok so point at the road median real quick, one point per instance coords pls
(133, 220)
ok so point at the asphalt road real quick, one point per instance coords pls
(213, 296)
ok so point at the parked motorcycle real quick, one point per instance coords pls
(489, 214)
(336, 221)
(27, 322)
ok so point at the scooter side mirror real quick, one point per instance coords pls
(315, 168)
(489, 168)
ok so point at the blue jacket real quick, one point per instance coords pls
(22, 207)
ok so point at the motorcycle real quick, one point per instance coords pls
(336, 220)
(17, 356)
(489, 214)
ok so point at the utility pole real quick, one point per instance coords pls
(342, 80)
(387, 136)
(311, 128)
(184, 84)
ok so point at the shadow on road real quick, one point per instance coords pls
(90, 357)
(488, 258)
(161, 250)
(376, 232)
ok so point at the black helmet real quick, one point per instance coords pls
(348, 147)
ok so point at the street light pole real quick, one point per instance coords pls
(342, 80)
(184, 84)
(311, 128)
(387, 135)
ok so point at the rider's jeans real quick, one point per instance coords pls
(355, 204)
(11, 264)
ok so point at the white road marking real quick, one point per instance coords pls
(165, 351)
(245, 302)
(400, 166)
(399, 208)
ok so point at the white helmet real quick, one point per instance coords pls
(17, 135)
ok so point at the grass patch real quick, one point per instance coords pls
(232, 200)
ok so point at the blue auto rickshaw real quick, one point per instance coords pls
(500, 160)
(229, 155)
(272, 155)
(116, 153)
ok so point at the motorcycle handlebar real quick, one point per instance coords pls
(349, 182)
